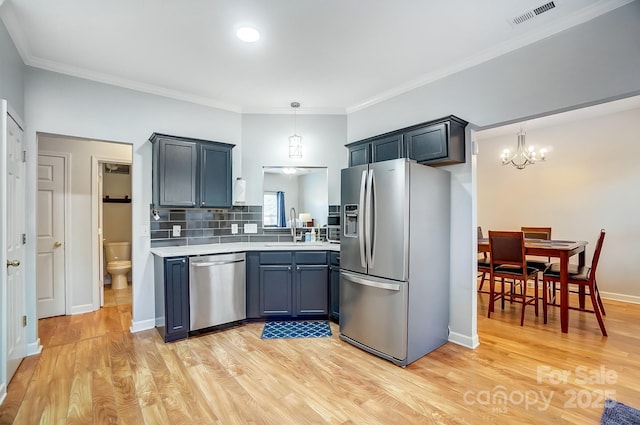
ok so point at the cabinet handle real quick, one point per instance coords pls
(184, 261)
(289, 268)
(298, 268)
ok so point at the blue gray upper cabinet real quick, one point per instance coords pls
(191, 172)
(438, 142)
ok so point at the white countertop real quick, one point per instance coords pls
(177, 251)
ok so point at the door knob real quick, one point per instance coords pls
(57, 244)
(13, 263)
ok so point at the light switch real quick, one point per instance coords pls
(251, 228)
(176, 230)
(234, 228)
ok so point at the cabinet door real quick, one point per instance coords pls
(428, 143)
(334, 291)
(387, 148)
(253, 284)
(176, 298)
(176, 175)
(276, 291)
(312, 290)
(359, 154)
(215, 176)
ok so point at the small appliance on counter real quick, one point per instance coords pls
(333, 228)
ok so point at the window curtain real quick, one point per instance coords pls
(281, 216)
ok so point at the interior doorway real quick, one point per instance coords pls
(83, 241)
(114, 230)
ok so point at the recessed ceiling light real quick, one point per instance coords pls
(248, 34)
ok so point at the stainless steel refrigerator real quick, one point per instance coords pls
(394, 259)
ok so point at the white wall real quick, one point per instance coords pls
(69, 106)
(589, 182)
(265, 142)
(79, 247)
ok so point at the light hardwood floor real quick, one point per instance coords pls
(92, 370)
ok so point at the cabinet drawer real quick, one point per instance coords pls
(334, 258)
(311, 257)
(276, 257)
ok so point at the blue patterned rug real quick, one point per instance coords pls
(616, 413)
(296, 329)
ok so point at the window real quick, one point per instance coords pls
(270, 210)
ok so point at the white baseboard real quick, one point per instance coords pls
(81, 309)
(3, 393)
(633, 299)
(142, 325)
(464, 340)
(34, 348)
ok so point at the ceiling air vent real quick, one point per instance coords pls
(532, 13)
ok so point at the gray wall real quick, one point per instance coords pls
(265, 141)
(11, 73)
(586, 64)
(59, 104)
(590, 63)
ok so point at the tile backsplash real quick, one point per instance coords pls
(212, 226)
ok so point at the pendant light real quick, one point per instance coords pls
(295, 141)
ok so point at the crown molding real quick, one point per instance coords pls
(299, 111)
(7, 14)
(584, 15)
(131, 84)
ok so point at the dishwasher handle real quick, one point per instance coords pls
(215, 263)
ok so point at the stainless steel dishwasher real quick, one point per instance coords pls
(217, 290)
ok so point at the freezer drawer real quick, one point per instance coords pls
(373, 313)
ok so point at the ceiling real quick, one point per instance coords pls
(332, 56)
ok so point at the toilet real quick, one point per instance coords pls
(118, 258)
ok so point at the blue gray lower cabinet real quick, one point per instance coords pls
(334, 285)
(172, 297)
(287, 284)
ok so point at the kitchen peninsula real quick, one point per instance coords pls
(281, 279)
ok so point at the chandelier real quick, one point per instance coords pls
(524, 156)
(295, 141)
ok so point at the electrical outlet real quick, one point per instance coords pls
(176, 230)
(234, 228)
(251, 228)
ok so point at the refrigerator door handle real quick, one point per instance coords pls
(370, 210)
(363, 188)
(372, 283)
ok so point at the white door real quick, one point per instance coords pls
(101, 264)
(50, 280)
(12, 136)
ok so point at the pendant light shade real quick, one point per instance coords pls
(295, 141)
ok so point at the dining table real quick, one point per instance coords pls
(561, 249)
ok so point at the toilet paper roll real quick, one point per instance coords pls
(240, 191)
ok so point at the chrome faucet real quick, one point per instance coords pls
(292, 218)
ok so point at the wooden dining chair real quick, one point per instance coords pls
(543, 233)
(483, 265)
(585, 279)
(508, 261)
